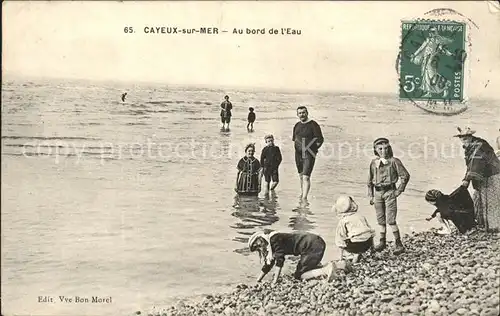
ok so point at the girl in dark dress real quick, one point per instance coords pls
(248, 177)
(274, 246)
(457, 207)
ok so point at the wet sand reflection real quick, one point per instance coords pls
(300, 221)
(253, 212)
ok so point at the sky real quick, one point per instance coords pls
(344, 46)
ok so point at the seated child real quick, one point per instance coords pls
(251, 119)
(457, 207)
(354, 234)
(274, 246)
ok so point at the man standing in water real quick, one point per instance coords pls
(225, 113)
(307, 138)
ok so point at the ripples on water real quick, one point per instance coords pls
(135, 200)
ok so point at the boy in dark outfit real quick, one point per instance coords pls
(251, 119)
(457, 207)
(307, 138)
(274, 246)
(270, 160)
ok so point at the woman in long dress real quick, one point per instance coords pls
(483, 170)
(248, 179)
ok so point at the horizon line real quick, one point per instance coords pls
(195, 85)
(218, 87)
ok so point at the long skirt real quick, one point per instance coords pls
(487, 203)
(248, 183)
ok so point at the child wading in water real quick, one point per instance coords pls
(225, 113)
(248, 180)
(251, 119)
(354, 235)
(270, 160)
(274, 246)
(384, 173)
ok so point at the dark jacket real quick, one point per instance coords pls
(481, 162)
(457, 207)
(307, 136)
(270, 158)
(251, 117)
(297, 244)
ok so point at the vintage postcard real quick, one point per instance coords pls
(250, 158)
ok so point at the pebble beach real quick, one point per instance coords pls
(437, 275)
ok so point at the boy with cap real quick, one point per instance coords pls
(384, 173)
(270, 160)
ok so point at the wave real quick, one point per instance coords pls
(50, 138)
(55, 146)
(138, 123)
(178, 102)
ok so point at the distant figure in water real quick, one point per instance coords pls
(458, 207)
(248, 179)
(225, 113)
(124, 95)
(251, 119)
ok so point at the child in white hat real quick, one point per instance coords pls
(354, 235)
(274, 246)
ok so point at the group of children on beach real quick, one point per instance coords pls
(354, 235)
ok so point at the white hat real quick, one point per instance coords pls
(253, 238)
(345, 204)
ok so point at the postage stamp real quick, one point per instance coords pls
(432, 62)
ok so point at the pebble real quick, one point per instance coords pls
(435, 276)
(434, 306)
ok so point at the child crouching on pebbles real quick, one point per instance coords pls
(354, 235)
(274, 246)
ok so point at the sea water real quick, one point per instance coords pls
(133, 202)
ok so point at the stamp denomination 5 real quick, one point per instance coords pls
(431, 65)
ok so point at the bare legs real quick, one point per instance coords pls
(273, 186)
(326, 270)
(250, 127)
(329, 270)
(305, 186)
